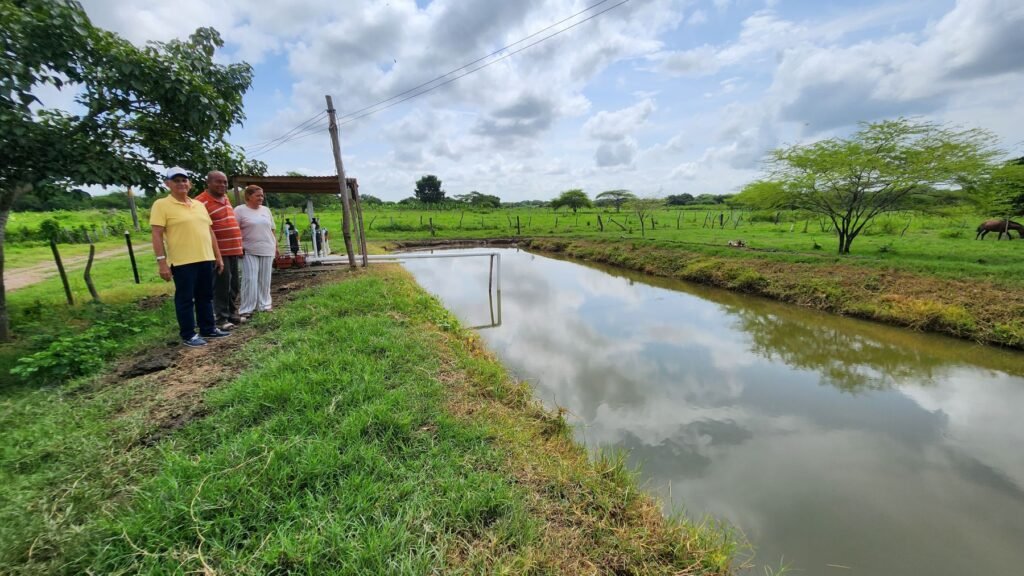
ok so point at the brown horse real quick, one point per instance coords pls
(1000, 226)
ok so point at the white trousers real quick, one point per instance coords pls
(256, 272)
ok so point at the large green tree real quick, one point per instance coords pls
(574, 199)
(162, 104)
(883, 167)
(428, 190)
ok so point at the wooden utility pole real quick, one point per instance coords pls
(346, 213)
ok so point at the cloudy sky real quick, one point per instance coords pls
(656, 96)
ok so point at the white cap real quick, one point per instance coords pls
(175, 171)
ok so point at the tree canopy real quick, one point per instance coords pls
(574, 199)
(679, 199)
(479, 200)
(884, 167)
(614, 197)
(168, 103)
(428, 190)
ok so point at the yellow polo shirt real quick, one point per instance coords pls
(186, 230)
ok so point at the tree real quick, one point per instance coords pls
(428, 190)
(707, 199)
(883, 167)
(163, 104)
(1002, 194)
(643, 207)
(614, 197)
(478, 200)
(574, 199)
(679, 199)
(370, 200)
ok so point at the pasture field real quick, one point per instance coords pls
(939, 245)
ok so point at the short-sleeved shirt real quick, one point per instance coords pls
(186, 230)
(257, 225)
(225, 226)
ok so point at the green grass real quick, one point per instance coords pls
(942, 245)
(939, 245)
(366, 434)
(39, 313)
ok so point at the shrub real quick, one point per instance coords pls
(75, 355)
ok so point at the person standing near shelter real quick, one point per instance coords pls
(187, 251)
(257, 224)
(226, 284)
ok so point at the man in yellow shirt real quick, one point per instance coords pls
(186, 251)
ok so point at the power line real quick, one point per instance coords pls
(256, 146)
(304, 129)
(463, 67)
(316, 129)
(351, 118)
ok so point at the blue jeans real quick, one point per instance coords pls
(193, 297)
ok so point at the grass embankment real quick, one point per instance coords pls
(978, 310)
(357, 430)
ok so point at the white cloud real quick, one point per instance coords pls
(614, 126)
(524, 124)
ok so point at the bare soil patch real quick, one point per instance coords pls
(182, 374)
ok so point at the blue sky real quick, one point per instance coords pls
(656, 96)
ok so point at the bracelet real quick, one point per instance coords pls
(159, 258)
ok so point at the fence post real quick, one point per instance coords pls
(131, 255)
(63, 275)
(88, 272)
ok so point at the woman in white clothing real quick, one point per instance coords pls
(260, 246)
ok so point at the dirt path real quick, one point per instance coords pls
(21, 277)
(183, 374)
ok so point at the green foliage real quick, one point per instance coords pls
(50, 229)
(478, 200)
(679, 199)
(76, 354)
(1003, 193)
(574, 199)
(614, 197)
(884, 167)
(428, 189)
(162, 104)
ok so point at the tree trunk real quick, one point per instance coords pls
(5, 333)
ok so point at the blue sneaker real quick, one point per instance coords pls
(216, 333)
(194, 342)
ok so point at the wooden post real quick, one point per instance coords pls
(88, 272)
(131, 255)
(135, 212)
(359, 222)
(346, 213)
(600, 224)
(234, 192)
(63, 275)
(432, 227)
(519, 229)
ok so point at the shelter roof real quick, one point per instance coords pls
(295, 184)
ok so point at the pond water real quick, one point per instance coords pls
(836, 446)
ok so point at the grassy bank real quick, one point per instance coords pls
(357, 430)
(971, 309)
